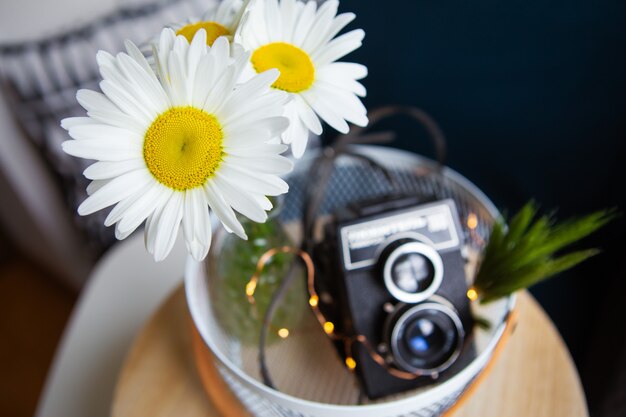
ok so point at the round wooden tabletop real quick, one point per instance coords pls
(534, 376)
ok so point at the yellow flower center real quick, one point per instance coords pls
(213, 31)
(297, 72)
(183, 147)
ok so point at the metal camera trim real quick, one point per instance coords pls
(393, 342)
(422, 249)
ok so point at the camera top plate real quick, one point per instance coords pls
(436, 224)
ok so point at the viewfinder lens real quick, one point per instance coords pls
(412, 272)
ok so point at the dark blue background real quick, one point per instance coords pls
(532, 98)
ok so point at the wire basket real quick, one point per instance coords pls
(313, 381)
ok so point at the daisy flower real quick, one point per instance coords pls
(221, 20)
(171, 145)
(299, 40)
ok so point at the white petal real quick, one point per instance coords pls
(258, 84)
(122, 235)
(151, 229)
(204, 80)
(265, 149)
(115, 191)
(93, 132)
(322, 24)
(343, 75)
(103, 149)
(272, 20)
(256, 115)
(240, 61)
(221, 89)
(196, 224)
(220, 50)
(177, 81)
(103, 58)
(136, 54)
(162, 53)
(326, 111)
(224, 10)
(344, 103)
(307, 115)
(93, 100)
(127, 89)
(126, 102)
(236, 108)
(288, 16)
(344, 70)
(269, 164)
(95, 185)
(262, 201)
(299, 140)
(105, 169)
(116, 214)
(144, 82)
(197, 49)
(118, 119)
(253, 181)
(245, 138)
(70, 122)
(100, 108)
(338, 23)
(239, 200)
(167, 228)
(156, 196)
(306, 20)
(274, 126)
(181, 46)
(223, 211)
(338, 47)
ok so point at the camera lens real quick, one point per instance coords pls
(412, 270)
(427, 338)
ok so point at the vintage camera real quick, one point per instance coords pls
(392, 271)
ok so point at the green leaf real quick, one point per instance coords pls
(519, 224)
(528, 251)
(482, 323)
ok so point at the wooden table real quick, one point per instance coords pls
(534, 376)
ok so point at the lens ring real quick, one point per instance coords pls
(399, 327)
(407, 249)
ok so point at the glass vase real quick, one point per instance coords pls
(233, 262)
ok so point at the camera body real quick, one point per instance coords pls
(392, 271)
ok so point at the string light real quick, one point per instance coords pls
(329, 327)
(472, 221)
(472, 294)
(250, 288)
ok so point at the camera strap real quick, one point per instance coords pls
(315, 193)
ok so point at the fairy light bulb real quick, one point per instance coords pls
(283, 333)
(472, 221)
(314, 300)
(329, 327)
(472, 294)
(350, 363)
(250, 288)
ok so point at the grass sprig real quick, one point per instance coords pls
(530, 249)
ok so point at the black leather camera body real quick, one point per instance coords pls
(392, 271)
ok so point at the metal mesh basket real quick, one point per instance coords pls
(354, 181)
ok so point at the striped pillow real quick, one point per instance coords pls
(40, 80)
